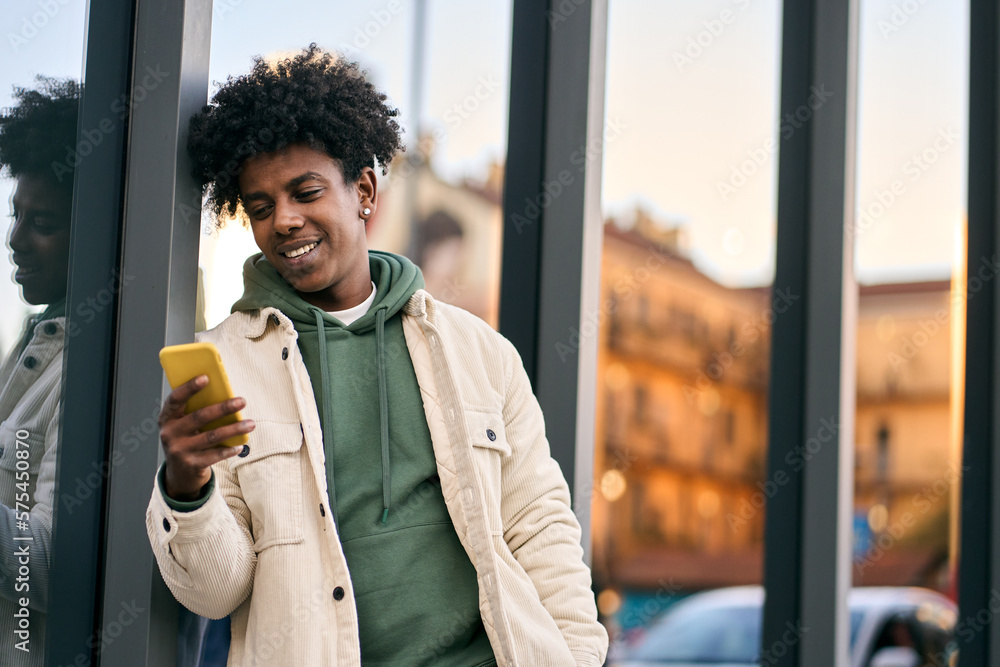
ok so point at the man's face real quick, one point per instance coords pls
(39, 238)
(297, 199)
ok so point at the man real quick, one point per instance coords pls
(33, 136)
(397, 503)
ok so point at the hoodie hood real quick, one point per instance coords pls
(396, 279)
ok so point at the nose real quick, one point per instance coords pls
(18, 237)
(286, 217)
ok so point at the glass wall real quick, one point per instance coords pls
(687, 290)
(909, 236)
(440, 203)
(40, 93)
(689, 198)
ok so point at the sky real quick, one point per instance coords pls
(691, 96)
(466, 63)
(696, 85)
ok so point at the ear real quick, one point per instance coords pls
(367, 187)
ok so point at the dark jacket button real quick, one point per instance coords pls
(338, 593)
(284, 353)
(30, 362)
(490, 434)
(50, 329)
(322, 510)
(244, 452)
(166, 524)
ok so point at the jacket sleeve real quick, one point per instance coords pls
(36, 524)
(539, 524)
(206, 555)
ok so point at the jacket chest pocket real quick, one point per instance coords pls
(489, 448)
(270, 479)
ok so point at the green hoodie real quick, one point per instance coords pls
(416, 591)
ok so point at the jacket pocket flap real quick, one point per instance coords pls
(486, 429)
(269, 438)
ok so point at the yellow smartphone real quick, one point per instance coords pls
(185, 362)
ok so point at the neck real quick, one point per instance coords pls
(342, 296)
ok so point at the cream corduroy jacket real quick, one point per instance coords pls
(30, 387)
(264, 547)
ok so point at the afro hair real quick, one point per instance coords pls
(313, 98)
(40, 128)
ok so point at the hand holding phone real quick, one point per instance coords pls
(200, 423)
(185, 362)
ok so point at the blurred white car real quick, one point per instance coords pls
(890, 627)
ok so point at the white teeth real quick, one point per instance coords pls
(301, 251)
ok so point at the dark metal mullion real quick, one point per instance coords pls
(75, 574)
(572, 234)
(786, 400)
(162, 227)
(828, 490)
(525, 170)
(553, 222)
(977, 579)
(811, 419)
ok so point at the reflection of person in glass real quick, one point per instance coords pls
(397, 503)
(34, 135)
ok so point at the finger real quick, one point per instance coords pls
(173, 406)
(212, 438)
(183, 443)
(211, 456)
(197, 420)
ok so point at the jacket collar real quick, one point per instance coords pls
(420, 305)
(257, 321)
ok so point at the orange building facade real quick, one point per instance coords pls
(680, 464)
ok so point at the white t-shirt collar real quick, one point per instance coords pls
(351, 314)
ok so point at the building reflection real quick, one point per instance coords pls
(681, 418)
(680, 481)
(452, 230)
(680, 474)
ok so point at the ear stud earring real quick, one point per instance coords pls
(367, 211)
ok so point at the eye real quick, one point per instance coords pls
(310, 193)
(260, 212)
(41, 222)
(46, 224)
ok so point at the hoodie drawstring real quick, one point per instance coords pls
(327, 403)
(383, 408)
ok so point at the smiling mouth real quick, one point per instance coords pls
(25, 272)
(298, 252)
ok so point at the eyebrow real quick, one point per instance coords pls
(41, 208)
(294, 183)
